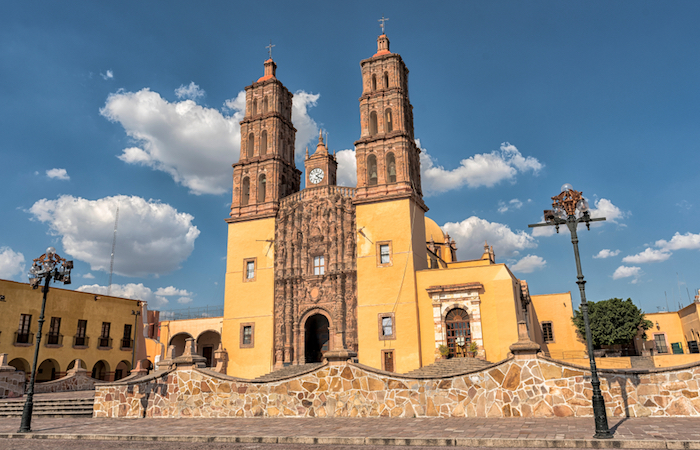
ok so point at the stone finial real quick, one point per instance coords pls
(170, 352)
(524, 348)
(189, 347)
(339, 357)
(164, 364)
(139, 369)
(4, 367)
(221, 358)
(77, 367)
(190, 356)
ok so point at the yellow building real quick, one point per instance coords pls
(674, 336)
(206, 332)
(335, 272)
(98, 329)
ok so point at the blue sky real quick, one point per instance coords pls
(136, 104)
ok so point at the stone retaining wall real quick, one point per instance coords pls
(536, 387)
(11, 384)
(75, 380)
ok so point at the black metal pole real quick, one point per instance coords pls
(26, 425)
(601, 419)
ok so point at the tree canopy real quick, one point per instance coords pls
(613, 321)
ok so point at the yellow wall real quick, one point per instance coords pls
(249, 301)
(193, 327)
(690, 322)
(70, 306)
(392, 288)
(556, 308)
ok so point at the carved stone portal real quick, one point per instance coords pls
(315, 223)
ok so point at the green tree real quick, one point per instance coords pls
(613, 321)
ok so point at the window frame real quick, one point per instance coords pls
(551, 332)
(321, 266)
(246, 261)
(380, 244)
(380, 323)
(667, 347)
(241, 337)
(393, 357)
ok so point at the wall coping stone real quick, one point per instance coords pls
(622, 371)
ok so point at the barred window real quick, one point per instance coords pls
(547, 332)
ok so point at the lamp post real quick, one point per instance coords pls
(136, 315)
(570, 209)
(46, 267)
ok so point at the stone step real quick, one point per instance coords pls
(450, 367)
(79, 407)
(288, 372)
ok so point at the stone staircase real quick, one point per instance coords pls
(449, 367)
(49, 405)
(642, 362)
(288, 372)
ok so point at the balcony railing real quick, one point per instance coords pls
(23, 338)
(126, 343)
(53, 339)
(80, 341)
(104, 342)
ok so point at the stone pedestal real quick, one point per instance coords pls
(339, 357)
(221, 358)
(524, 348)
(164, 364)
(190, 358)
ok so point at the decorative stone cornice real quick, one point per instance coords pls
(439, 289)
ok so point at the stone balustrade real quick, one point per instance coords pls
(516, 387)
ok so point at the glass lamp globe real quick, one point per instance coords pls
(582, 205)
(560, 213)
(50, 251)
(566, 187)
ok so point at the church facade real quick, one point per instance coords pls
(332, 271)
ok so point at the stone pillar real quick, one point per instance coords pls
(189, 358)
(524, 348)
(4, 367)
(139, 369)
(221, 358)
(77, 368)
(165, 364)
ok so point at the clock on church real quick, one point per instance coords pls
(316, 175)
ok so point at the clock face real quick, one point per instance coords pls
(316, 175)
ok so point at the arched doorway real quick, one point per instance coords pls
(179, 342)
(207, 343)
(47, 371)
(100, 370)
(457, 326)
(20, 364)
(72, 364)
(316, 337)
(122, 370)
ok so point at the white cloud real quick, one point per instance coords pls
(648, 255)
(513, 204)
(170, 291)
(484, 169)
(606, 253)
(347, 168)
(529, 264)
(107, 75)
(471, 233)
(687, 241)
(59, 174)
(195, 145)
(191, 91)
(184, 300)
(11, 263)
(153, 238)
(627, 272)
(89, 276)
(131, 290)
(605, 208)
(544, 231)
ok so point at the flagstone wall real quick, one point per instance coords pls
(537, 387)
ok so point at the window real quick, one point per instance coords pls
(372, 170)
(263, 143)
(389, 126)
(249, 269)
(660, 342)
(388, 360)
(265, 105)
(251, 145)
(261, 188)
(547, 332)
(372, 123)
(255, 107)
(80, 340)
(105, 340)
(319, 265)
(247, 335)
(677, 348)
(374, 82)
(693, 347)
(386, 80)
(458, 331)
(384, 253)
(23, 335)
(53, 337)
(386, 326)
(126, 337)
(245, 191)
(390, 168)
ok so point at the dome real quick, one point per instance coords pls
(433, 230)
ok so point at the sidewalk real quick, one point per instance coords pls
(638, 433)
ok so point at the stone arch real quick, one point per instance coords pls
(21, 364)
(373, 123)
(100, 371)
(456, 321)
(262, 183)
(207, 343)
(245, 191)
(48, 370)
(122, 370)
(372, 170)
(304, 337)
(255, 107)
(250, 148)
(178, 341)
(388, 121)
(390, 168)
(263, 143)
(374, 82)
(386, 79)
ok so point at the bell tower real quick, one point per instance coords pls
(388, 162)
(321, 167)
(265, 172)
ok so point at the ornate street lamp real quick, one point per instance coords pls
(46, 267)
(570, 209)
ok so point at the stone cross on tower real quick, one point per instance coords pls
(382, 20)
(269, 48)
